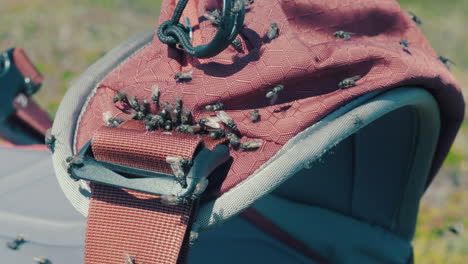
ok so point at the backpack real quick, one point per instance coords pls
(301, 133)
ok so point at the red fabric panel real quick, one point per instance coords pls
(32, 115)
(122, 222)
(25, 66)
(275, 231)
(305, 58)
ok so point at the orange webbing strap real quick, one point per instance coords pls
(126, 224)
(26, 67)
(30, 113)
(26, 109)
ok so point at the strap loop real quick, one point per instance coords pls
(172, 32)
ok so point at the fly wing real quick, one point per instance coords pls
(173, 160)
(106, 116)
(273, 99)
(224, 117)
(177, 170)
(213, 122)
(48, 134)
(155, 89)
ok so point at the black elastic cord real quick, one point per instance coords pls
(172, 32)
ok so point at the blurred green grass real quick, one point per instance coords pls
(64, 37)
(446, 201)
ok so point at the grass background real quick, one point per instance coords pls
(63, 37)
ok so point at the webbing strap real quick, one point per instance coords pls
(32, 114)
(22, 120)
(26, 67)
(126, 224)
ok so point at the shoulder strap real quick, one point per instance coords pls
(129, 225)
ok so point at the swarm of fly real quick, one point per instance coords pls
(175, 117)
(217, 125)
(169, 117)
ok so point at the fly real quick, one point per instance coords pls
(216, 133)
(255, 116)
(273, 31)
(155, 95)
(273, 94)
(342, 34)
(73, 162)
(185, 117)
(50, 140)
(134, 103)
(177, 164)
(16, 243)
(144, 107)
(215, 107)
(226, 119)
(251, 145)
(183, 76)
(211, 122)
(233, 139)
(237, 45)
(415, 18)
(446, 61)
(349, 82)
(405, 44)
(199, 189)
(213, 16)
(121, 96)
(111, 121)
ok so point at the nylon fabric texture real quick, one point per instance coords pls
(305, 58)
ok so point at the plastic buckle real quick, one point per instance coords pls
(87, 168)
(12, 83)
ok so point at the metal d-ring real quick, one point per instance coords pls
(173, 32)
